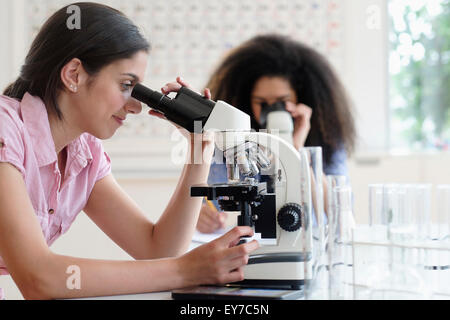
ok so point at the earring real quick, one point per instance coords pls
(73, 88)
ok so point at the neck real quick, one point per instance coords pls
(62, 131)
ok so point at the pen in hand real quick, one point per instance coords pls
(210, 204)
(211, 219)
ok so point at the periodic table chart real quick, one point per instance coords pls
(188, 38)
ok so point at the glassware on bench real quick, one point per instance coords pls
(396, 272)
(316, 289)
(441, 267)
(341, 225)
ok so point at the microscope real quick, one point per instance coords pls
(280, 210)
(276, 120)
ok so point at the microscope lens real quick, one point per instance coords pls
(254, 168)
(263, 161)
(232, 172)
(243, 163)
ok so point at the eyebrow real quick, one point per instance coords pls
(135, 77)
(280, 97)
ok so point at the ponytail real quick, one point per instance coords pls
(17, 89)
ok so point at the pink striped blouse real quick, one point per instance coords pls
(26, 143)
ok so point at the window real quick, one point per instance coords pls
(419, 72)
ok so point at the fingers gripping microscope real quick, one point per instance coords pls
(279, 209)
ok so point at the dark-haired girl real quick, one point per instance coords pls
(74, 89)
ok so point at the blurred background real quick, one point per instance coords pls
(392, 56)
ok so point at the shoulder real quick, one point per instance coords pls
(338, 163)
(12, 125)
(340, 154)
(9, 102)
(12, 134)
(10, 111)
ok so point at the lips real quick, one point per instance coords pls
(119, 120)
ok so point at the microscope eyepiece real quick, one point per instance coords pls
(148, 96)
(187, 108)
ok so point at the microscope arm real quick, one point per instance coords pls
(296, 189)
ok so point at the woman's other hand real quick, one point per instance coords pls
(210, 220)
(220, 261)
(302, 122)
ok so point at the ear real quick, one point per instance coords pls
(73, 75)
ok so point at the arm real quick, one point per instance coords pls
(119, 217)
(41, 274)
(124, 222)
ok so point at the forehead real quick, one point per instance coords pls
(136, 65)
(272, 87)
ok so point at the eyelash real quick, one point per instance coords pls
(126, 86)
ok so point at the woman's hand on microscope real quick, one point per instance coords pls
(220, 261)
(302, 122)
(175, 87)
(206, 139)
(211, 220)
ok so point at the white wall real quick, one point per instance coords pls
(366, 66)
(364, 73)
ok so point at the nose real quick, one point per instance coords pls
(133, 106)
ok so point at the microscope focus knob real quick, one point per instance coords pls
(290, 217)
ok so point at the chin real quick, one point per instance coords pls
(103, 135)
(106, 136)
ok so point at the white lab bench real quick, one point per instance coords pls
(365, 254)
(167, 295)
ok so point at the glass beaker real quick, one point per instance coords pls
(395, 273)
(317, 287)
(442, 267)
(341, 224)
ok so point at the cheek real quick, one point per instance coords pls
(113, 100)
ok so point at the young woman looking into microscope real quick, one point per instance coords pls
(75, 89)
(271, 68)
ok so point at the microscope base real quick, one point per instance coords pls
(270, 273)
(271, 284)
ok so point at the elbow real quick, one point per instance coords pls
(35, 287)
(34, 294)
(38, 283)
